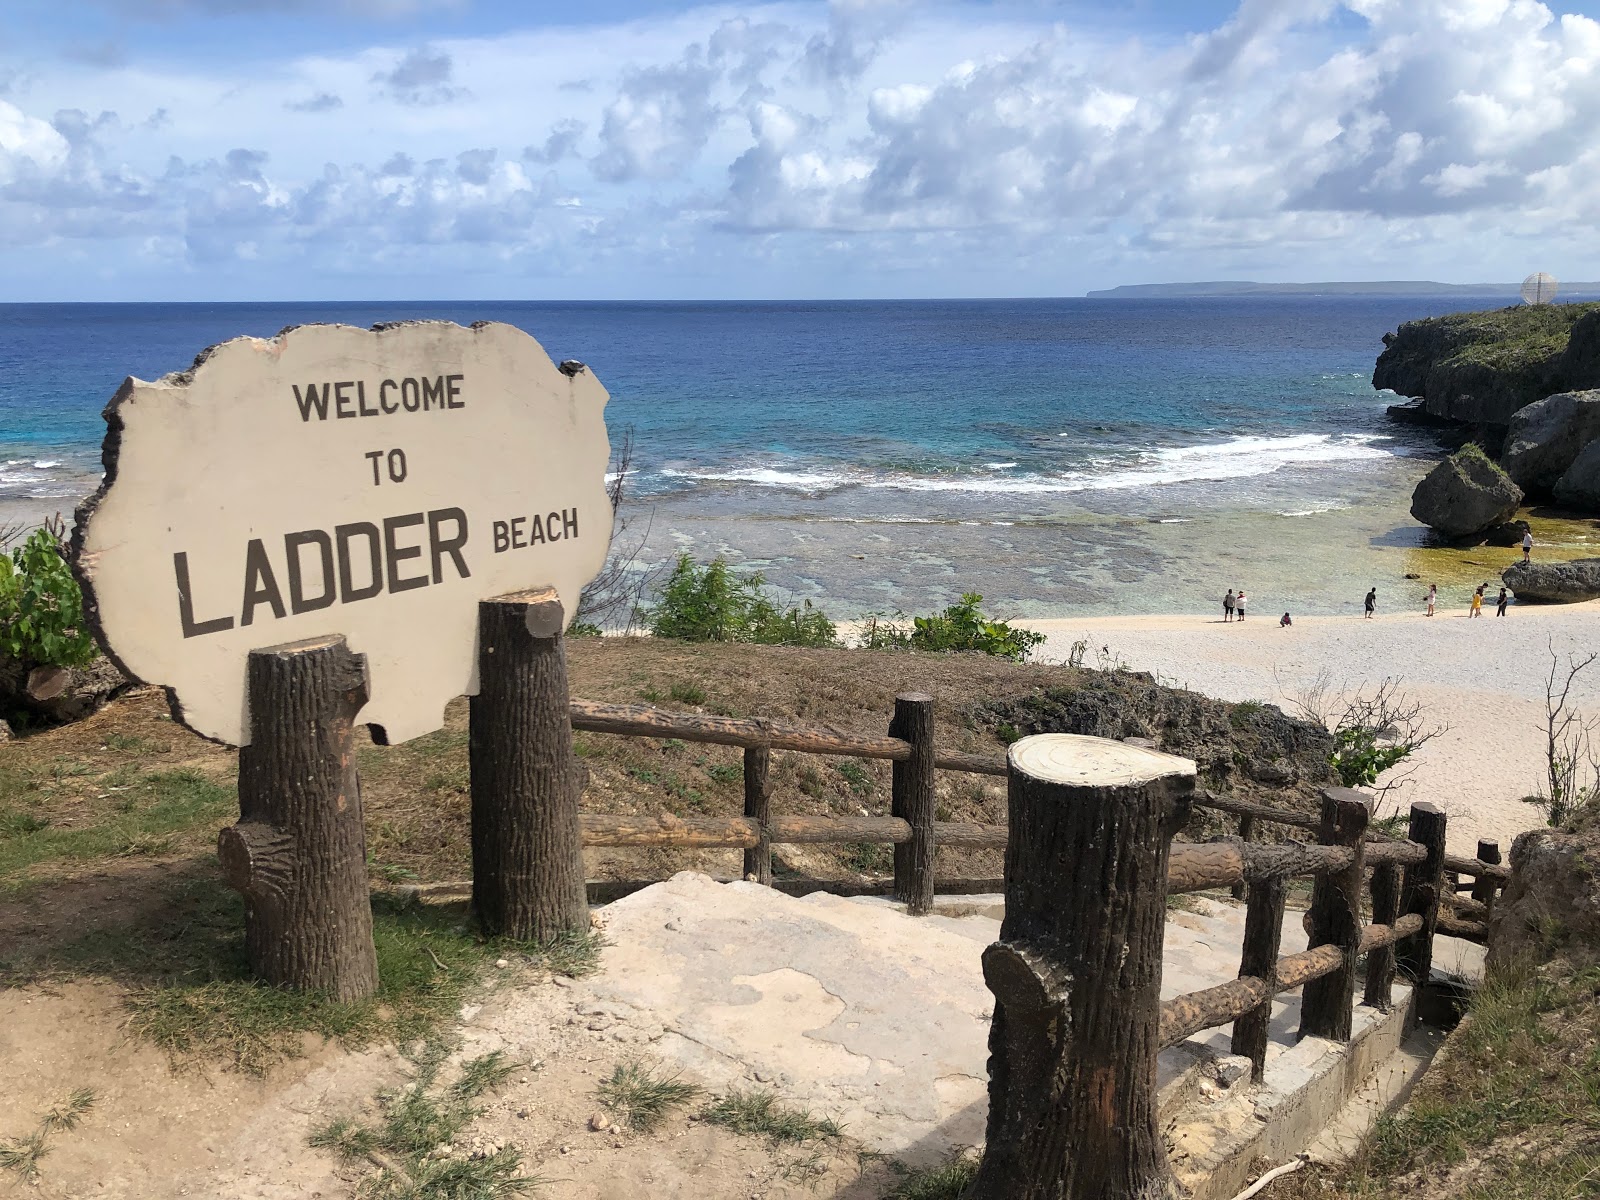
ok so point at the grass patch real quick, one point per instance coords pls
(411, 1143)
(638, 1094)
(1511, 1111)
(21, 1155)
(726, 772)
(866, 858)
(162, 803)
(856, 776)
(191, 992)
(944, 1182)
(687, 693)
(761, 1113)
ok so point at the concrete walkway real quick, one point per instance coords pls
(879, 1020)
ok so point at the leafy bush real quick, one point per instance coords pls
(960, 627)
(712, 604)
(41, 608)
(1360, 755)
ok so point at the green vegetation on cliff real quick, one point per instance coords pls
(1512, 338)
(1480, 367)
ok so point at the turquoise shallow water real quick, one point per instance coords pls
(1058, 455)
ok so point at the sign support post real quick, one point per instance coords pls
(298, 853)
(527, 849)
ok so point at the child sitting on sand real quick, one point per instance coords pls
(1284, 622)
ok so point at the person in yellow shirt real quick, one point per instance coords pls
(1477, 602)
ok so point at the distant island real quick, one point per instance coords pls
(1397, 287)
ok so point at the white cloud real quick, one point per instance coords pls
(900, 138)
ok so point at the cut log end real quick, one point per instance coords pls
(1077, 761)
(256, 859)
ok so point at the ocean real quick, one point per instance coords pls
(1059, 456)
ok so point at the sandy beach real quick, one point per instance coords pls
(1482, 679)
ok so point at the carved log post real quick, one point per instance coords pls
(1077, 972)
(1336, 917)
(758, 807)
(1484, 888)
(1263, 931)
(527, 856)
(1247, 827)
(1420, 891)
(1380, 962)
(913, 802)
(299, 853)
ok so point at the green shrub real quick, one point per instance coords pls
(960, 627)
(41, 608)
(712, 604)
(1360, 755)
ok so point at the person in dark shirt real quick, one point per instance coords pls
(1372, 602)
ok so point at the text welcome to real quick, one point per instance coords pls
(347, 562)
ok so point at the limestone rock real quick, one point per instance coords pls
(1554, 583)
(1544, 438)
(1481, 367)
(1507, 533)
(1464, 495)
(1579, 485)
(1551, 906)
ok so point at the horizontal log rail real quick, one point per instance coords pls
(701, 833)
(1453, 926)
(1476, 867)
(644, 720)
(1185, 1015)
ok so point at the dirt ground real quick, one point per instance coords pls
(100, 821)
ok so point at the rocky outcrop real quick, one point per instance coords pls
(1465, 495)
(1481, 367)
(1547, 436)
(1579, 485)
(1254, 751)
(1555, 583)
(1551, 907)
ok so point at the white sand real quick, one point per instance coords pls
(1484, 679)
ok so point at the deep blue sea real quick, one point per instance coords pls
(757, 427)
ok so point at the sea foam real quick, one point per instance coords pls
(1236, 458)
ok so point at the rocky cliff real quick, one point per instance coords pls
(1481, 367)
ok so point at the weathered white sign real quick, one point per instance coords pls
(375, 483)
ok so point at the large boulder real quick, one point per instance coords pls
(1464, 495)
(1545, 437)
(1551, 906)
(1579, 485)
(1555, 582)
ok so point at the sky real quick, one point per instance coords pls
(653, 149)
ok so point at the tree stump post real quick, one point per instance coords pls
(758, 807)
(527, 852)
(1263, 932)
(1077, 972)
(1247, 828)
(299, 852)
(913, 801)
(1484, 889)
(1380, 962)
(1420, 891)
(1325, 1003)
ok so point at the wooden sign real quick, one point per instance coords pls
(372, 483)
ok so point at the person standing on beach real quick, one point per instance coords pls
(1371, 602)
(1433, 594)
(1227, 607)
(1500, 604)
(1238, 604)
(1477, 603)
(1527, 545)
